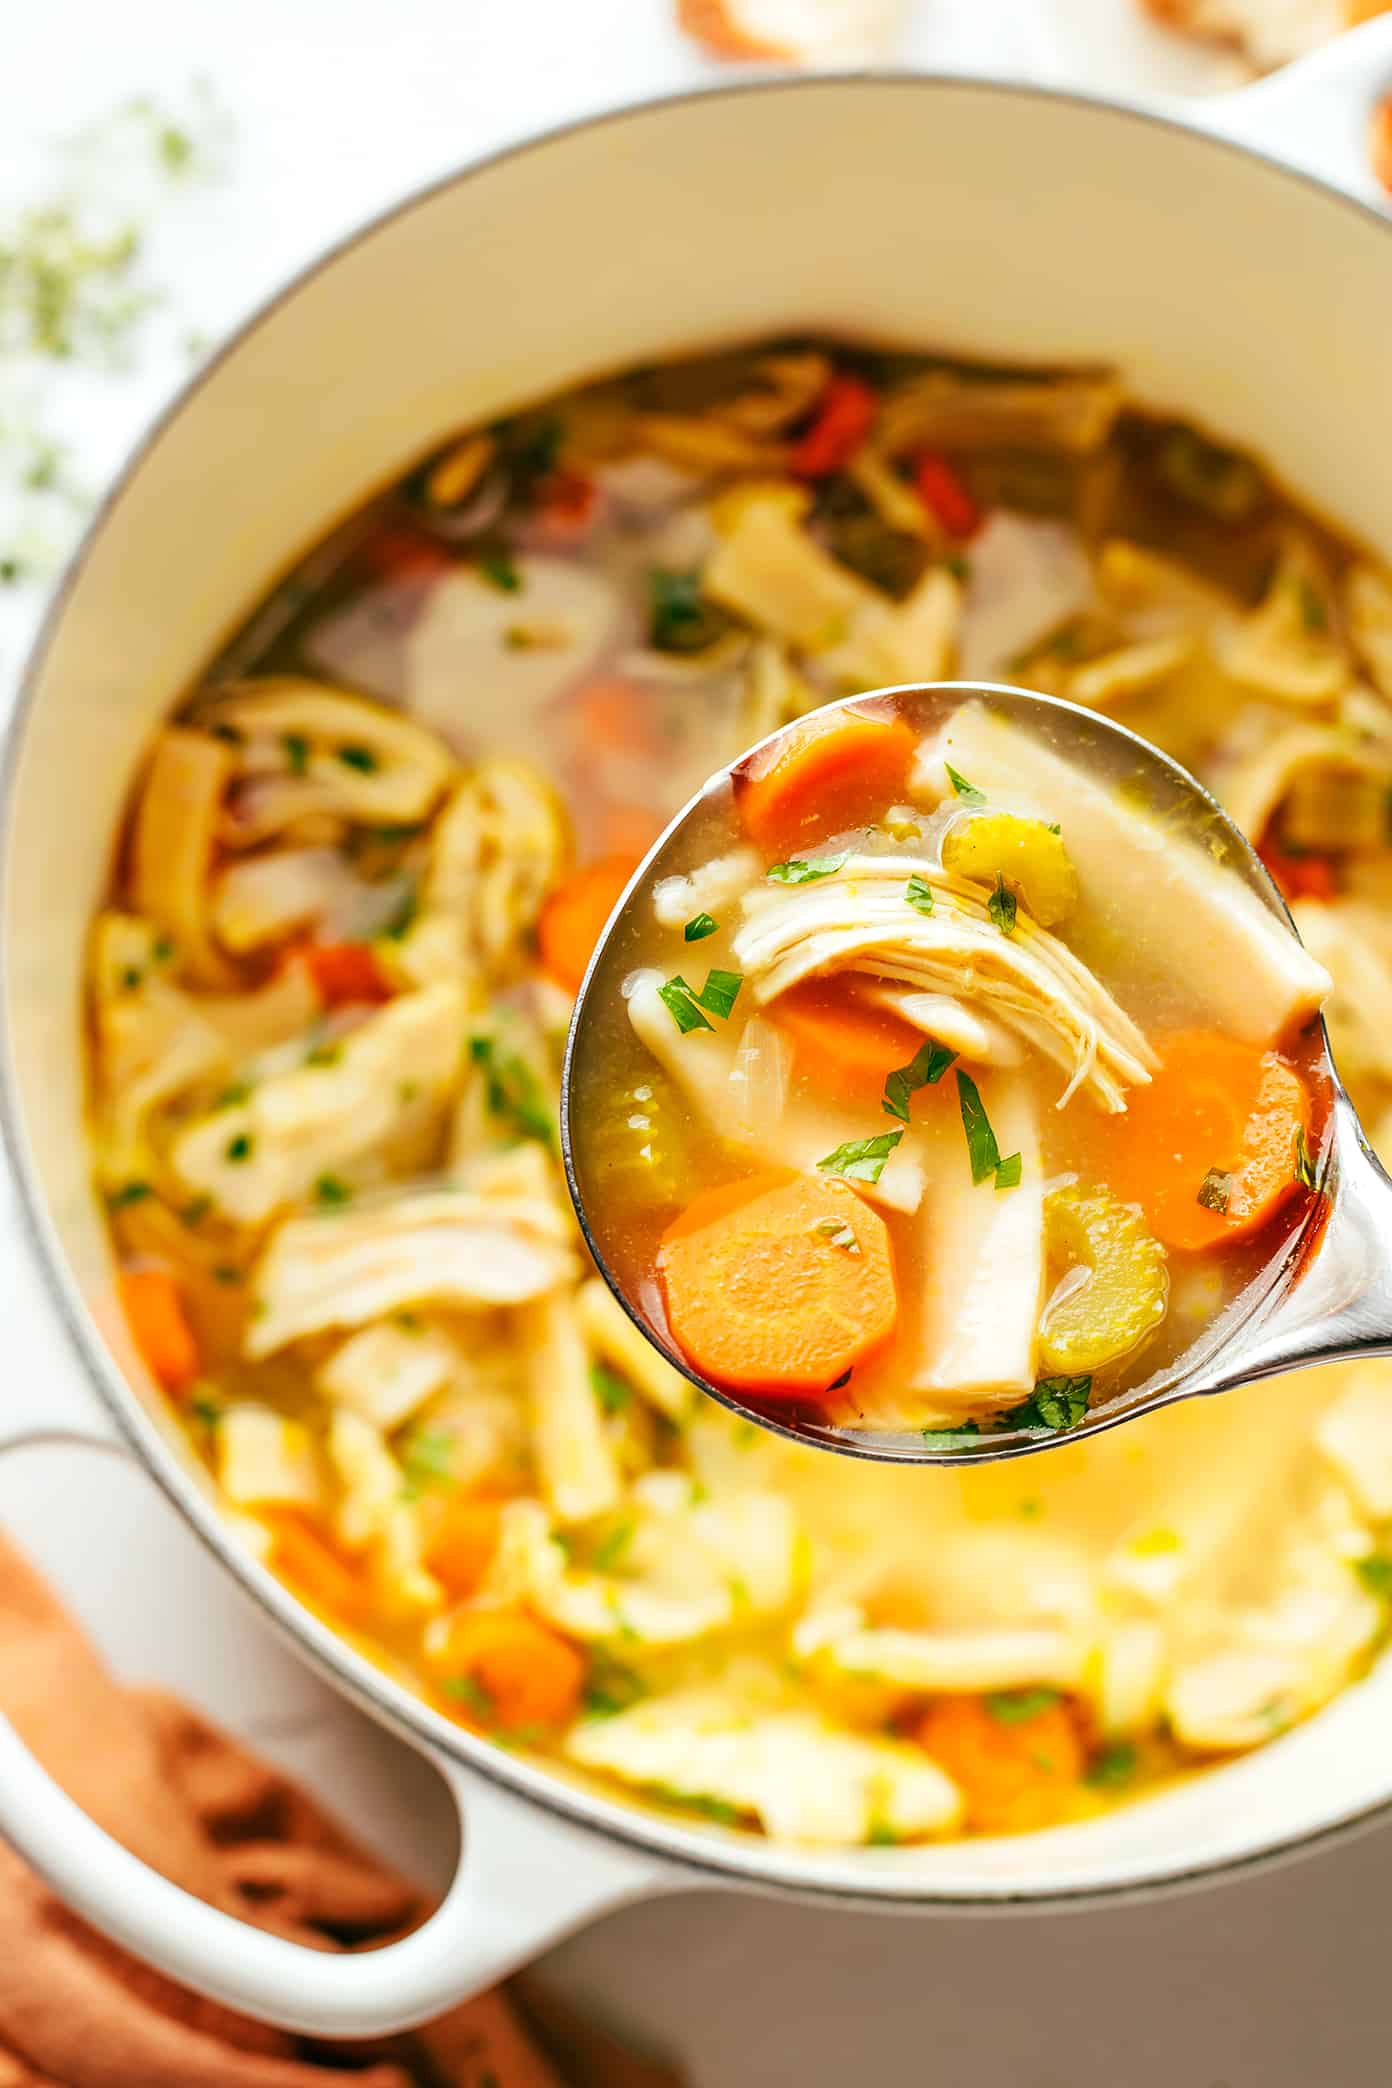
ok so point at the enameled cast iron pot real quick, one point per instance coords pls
(1008, 222)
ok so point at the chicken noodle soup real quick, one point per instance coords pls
(985, 1045)
(363, 869)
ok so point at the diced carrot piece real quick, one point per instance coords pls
(845, 415)
(1018, 1765)
(778, 1289)
(827, 773)
(574, 917)
(944, 495)
(154, 1309)
(1299, 876)
(462, 1543)
(846, 1046)
(304, 1557)
(345, 973)
(1214, 1104)
(517, 1672)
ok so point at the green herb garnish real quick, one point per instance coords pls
(467, 1689)
(806, 870)
(680, 618)
(1215, 1190)
(861, 1159)
(360, 758)
(239, 1148)
(499, 570)
(129, 1193)
(680, 1002)
(514, 1094)
(610, 1390)
(206, 1410)
(296, 752)
(919, 894)
(968, 792)
(330, 1192)
(1304, 1159)
(1374, 1569)
(959, 1438)
(1056, 1403)
(1313, 613)
(1003, 906)
(982, 1150)
(228, 1272)
(614, 1544)
(925, 1069)
(1112, 1767)
(838, 1233)
(699, 927)
(233, 1096)
(720, 991)
(611, 1688)
(1016, 1706)
(1009, 1171)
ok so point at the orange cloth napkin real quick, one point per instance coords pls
(76, 2012)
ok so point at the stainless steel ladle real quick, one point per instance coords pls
(1325, 1297)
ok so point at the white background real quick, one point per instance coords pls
(337, 107)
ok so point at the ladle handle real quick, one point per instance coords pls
(1341, 1307)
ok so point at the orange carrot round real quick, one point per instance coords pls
(1017, 1757)
(311, 1565)
(574, 917)
(1214, 1104)
(345, 972)
(154, 1310)
(510, 1671)
(778, 1286)
(462, 1543)
(827, 773)
(847, 1046)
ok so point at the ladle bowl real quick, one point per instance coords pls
(1325, 1294)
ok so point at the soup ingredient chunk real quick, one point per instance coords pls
(502, 1668)
(778, 1286)
(1115, 1289)
(159, 1326)
(573, 917)
(1016, 1756)
(1025, 854)
(1210, 1149)
(835, 771)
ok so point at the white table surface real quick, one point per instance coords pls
(1273, 1981)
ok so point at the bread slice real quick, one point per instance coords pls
(1268, 33)
(796, 32)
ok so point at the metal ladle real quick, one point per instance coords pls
(1325, 1297)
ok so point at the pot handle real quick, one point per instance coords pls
(525, 1877)
(1315, 114)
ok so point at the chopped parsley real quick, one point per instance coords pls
(717, 1809)
(982, 1150)
(499, 569)
(296, 752)
(323, 1055)
(1017, 1706)
(919, 894)
(962, 1437)
(720, 991)
(610, 1390)
(1113, 1766)
(1313, 613)
(1003, 906)
(716, 997)
(1215, 1190)
(1304, 1159)
(231, 1097)
(925, 1069)
(1374, 1569)
(968, 792)
(227, 1272)
(426, 1460)
(206, 1410)
(838, 1233)
(861, 1159)
(680, 618)
(958, 566)
(676, 996)
(468, 1690)
(610, 1688)
(128, 1193)
(806, 870)
(514, 1093)
(360, 758)
(194, 1213)
(1056, 1404)
(614, 1543)
(1009, 1172)
(699, 927)
(131, 978)
(330, 1192)
(239, 1148)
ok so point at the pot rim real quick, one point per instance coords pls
(704, 1859)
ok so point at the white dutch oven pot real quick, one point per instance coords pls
(1004, 221)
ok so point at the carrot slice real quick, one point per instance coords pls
(1214, 1104)
(944, 495)
(1016, 1756)
(510, 1671)
(843, 1043)
(825, 774)
(573, 918)
(463, 1542)
(313, 1568)
(845, 415)
(154, 1309)
(779, 1289)
(345, 973)
(1299, 876)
